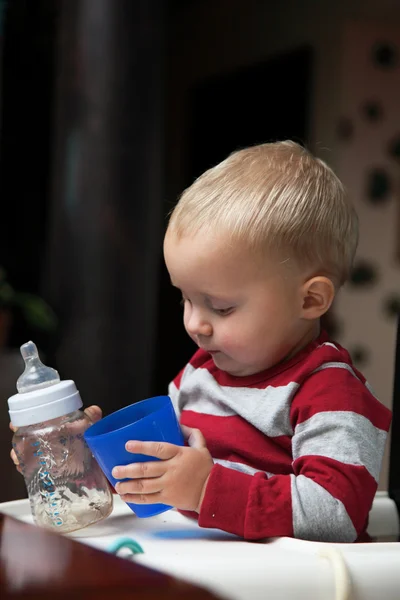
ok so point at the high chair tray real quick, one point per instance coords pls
(282, 569)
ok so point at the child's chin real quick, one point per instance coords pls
(221, 361)
(226, 364)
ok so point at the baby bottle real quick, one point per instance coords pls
(67, 489)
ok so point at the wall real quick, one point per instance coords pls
(214, 37)
(370, 113)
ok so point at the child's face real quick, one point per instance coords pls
(246, 312)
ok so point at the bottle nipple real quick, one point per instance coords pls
(36, 375)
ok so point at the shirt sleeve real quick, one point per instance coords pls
(339, 435)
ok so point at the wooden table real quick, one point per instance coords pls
(37, 564)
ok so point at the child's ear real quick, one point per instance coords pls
(317, 295)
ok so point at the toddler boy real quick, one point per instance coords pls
(285, 437)
(292, 437)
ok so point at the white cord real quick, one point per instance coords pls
(340, 572)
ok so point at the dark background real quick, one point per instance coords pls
(224, 113)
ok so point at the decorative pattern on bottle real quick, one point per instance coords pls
(47, 486)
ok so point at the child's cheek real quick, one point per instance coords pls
(230, 341)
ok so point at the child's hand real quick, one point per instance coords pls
(13, 454)
(93, 412)
(178, 479)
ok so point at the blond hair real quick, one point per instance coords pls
(275, 197)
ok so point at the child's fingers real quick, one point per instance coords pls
(196, 439)
(12, 427)
(140, 486)
(14, 458)
(94, 413)
(140, 470)
(161, 450)
(186, 431)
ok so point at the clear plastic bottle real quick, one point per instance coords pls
(66, 487)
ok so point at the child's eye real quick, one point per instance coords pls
(223, 312)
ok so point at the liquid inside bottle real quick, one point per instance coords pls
(66, 487)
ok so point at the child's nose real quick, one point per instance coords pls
(196, 325)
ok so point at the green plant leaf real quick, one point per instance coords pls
(7, 293)
(37, 312)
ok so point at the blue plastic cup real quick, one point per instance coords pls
(151, 420)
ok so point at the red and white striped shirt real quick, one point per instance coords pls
(297, 448)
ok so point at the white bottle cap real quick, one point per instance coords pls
(44, 404)
(42, 396)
